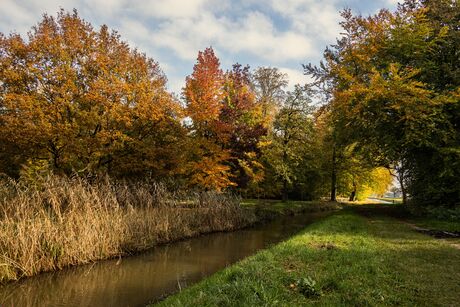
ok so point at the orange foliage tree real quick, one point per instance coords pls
(226, 124)
(73, 99)
(203, 94)
(243, 123)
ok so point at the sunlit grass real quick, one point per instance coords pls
(353, 260)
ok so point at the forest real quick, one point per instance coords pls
(89, 132)
(77, 101)
(80, 102)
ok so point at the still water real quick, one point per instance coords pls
(150, 276)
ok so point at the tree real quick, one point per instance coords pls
(81, 100)
(327, 154)
(203, 93)
(269, 85)
(386, 93)
(285, 148)
(241, 125)
(357, 178)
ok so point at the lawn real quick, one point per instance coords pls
(353, 258)
(279, 207)
(436, 224)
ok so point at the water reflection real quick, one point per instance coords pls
(137, 280)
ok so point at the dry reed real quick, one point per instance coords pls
(67, 221)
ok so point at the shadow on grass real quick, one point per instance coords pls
(397, 211)
(354, 262)
(382, 273)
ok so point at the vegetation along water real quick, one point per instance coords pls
(101, 160)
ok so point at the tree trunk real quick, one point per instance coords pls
(403, 191)
(334, 177)
(285, 162)
(285, 190)
(404, 195)
(401, 176)
(353, 193)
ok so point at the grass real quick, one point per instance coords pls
(353, 258)
(60, 222)
(278, 207)
(402, 212)
(434, 224)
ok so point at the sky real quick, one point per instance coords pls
(275, 33)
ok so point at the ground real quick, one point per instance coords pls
(362, 255)
(276, 208)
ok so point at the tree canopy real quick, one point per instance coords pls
(75, 100)
(393, 88)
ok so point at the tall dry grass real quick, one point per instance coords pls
(59, 221)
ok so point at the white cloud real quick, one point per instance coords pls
(175, 84)
(185, 36)
(169, 8)
(295, 76)
(103, 9)
(272, 32)
(394, 2)
(256, 34)
(135, 30)
(15, 17)
(319, 19)
(253, 33)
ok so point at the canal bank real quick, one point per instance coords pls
(155, 274)
(354, 257)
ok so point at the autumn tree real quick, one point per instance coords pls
(328, 152)
(285, 149)
(203, 94)
(226, 124)
(342, 169)
(269, 85)
(386, 88)
(242, 125)
(357, 179)
(77, 100)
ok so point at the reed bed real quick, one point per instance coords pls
(59, 222)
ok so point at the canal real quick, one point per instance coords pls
(152, 275)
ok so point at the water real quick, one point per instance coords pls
(148, 277)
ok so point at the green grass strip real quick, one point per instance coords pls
(344, 260)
